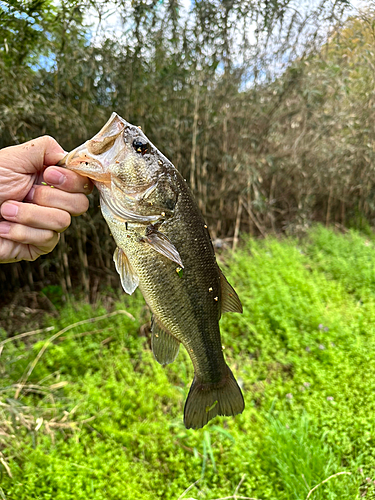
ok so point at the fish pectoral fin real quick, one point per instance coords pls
(160, 243)
(229, 298)
(129, 278)
(164, 346)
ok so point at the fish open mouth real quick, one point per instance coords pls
(76, 157)
(92, 158)
(79, 160)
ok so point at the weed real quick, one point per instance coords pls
(90, 414)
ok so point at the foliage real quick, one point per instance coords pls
(320, 150)
(22, 27)
(112, 417)
(223, 89)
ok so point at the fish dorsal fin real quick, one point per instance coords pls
(164, 346)
(229, 298)
(160, 243)
(129, 278)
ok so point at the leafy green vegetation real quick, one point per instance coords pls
(98, 418)
(266, 110)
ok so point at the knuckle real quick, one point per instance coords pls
(51, 240)
(78, 204)
(39, 195)
(45, 197)
(7, 251)
(25, 215)
(47, 139)
(64, 220)
(50, 236)
(47, 241)
(82, 204)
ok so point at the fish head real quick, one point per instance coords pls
(136, 181)
(137, 185)
(119, 153)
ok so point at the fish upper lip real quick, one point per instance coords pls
(84, 163)
(77, 154)
(68, 159)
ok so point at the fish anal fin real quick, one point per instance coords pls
(206, 401)
(160, 243)
(229, 298)
(129, 278)
(164, 346)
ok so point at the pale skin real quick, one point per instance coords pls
(32, 214)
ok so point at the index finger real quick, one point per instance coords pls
(66, 180)
(32, 156)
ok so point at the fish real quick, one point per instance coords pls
(164, 248)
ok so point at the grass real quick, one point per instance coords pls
(97, 418)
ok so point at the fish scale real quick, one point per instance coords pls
(164, 247)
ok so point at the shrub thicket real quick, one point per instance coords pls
(272, 126)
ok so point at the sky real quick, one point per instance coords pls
(112, 25)
(113, 21)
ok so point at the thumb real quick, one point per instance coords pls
(42, 151)
(34, 155)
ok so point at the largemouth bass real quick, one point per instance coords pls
(164, 247)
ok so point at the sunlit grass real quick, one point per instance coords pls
(98, 418)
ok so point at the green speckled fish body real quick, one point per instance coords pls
(164, 247)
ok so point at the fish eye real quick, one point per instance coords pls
(141, 146)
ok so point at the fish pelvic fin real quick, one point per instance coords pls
(129, 279)
(206, 401)
(164, 346)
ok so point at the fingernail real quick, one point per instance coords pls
(54, 177)
(9, 210)
(30, 195)
(4, 228)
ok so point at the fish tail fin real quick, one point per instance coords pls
(206, 401)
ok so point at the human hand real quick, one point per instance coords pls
(32, 214)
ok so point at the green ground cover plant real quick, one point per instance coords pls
(91, 415)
